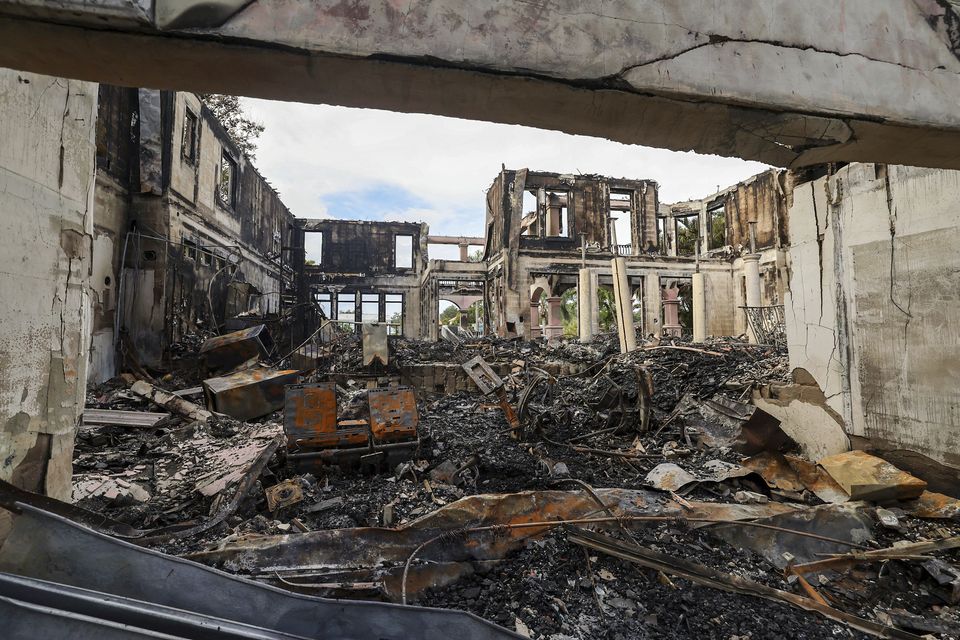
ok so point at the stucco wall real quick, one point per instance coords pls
(46, 189)
(873, 312)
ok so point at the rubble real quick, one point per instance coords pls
(652, 455)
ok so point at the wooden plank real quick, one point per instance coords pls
(118, 418)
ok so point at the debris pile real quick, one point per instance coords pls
(558, 489)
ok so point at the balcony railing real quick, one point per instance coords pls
(767, 324)
(624, 249)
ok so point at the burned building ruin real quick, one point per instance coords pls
(732, 417)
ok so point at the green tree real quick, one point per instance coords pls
(243, 130)
(476, 256)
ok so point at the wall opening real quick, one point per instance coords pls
(188, 143)
(688, 234)
(403, 252)
(716, 227)
(313, 248)
(227, 180)
(621, 223)
(530, 224)
(558, 221)
(347, 311)
(393, 313)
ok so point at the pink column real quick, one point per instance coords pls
(534, 320)
(671, 312)
(554, 317)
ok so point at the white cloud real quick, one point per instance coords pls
(312, 152)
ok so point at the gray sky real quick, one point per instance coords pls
(378, 165)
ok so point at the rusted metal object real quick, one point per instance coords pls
(375, 345)
(310, 414)
(393, 414)
(934, 506)
(490, 383)
(314, 434)
(370, 554)
(248, 394)
(224, 353)
(721, 422)
(284, 494)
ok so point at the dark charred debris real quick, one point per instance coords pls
(628, 496)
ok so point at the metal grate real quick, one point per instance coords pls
(767, 324)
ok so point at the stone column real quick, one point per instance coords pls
(751, 271)
(699, 308)
(671, 312)
(464, 252)
(554, 317)
(623, 301)
(587, 310)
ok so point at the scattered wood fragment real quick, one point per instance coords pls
(707, 576)
(914, 551)
(117, 418)
(170, 401)
(678, 348)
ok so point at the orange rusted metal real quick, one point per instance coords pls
(393, 414)
(313, 432)
(248, 394)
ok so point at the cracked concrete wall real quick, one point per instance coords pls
(873, 314)
(47, 164)
(785, 82)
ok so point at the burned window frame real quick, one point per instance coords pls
(681, 218)
(630, 220)
(565, 216)
(226, 159)
(189, 136)
(711, 214)
(393, 299)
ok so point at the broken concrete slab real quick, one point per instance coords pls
(866, 477)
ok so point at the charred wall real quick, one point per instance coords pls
(362, 247)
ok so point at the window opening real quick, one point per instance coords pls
(188, 144)
(393, 312)
(688, 234)
(227, 180)
(347, 310)
(717, 221)
(621, 223)
(403, 252)
(369, 307)
(557, 223)
(313, 248)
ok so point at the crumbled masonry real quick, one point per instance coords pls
(479, 517)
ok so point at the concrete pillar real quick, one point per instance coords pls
(699, 309)
(623, 302)
(464, 252)
(751, 269)
(651, 304)
(751, 272)
(587, 311)
(534, 320)
(47, 176)
(554, 317)
(671, 312)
